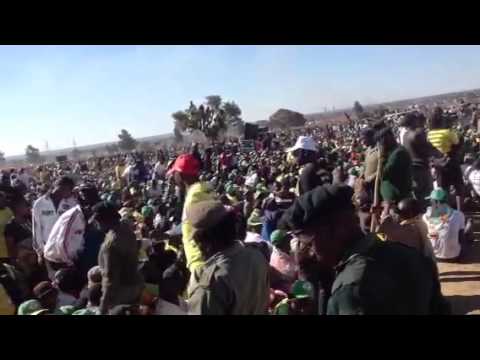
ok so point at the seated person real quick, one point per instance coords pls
(409, 230)
(445, 227)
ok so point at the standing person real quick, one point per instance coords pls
(67, 239)
(371, 161)
(122, 282)
(18, 231)
(185, 171)
(160, 168)
(371, 276)
(47, 209)
(5, 216)
(396, 182)
(446, 227)
(446, 140)
(421, 151)
(234, 279)
(305, 154)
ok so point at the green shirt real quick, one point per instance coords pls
(386, 278)
(232, 282)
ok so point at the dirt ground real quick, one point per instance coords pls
(461, 282)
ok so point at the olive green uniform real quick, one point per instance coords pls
(386, 278)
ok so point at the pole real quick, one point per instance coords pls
(376, 194)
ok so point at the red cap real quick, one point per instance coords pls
(185, 164)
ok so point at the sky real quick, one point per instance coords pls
(58, 94)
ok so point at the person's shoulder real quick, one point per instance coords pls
(351, 271)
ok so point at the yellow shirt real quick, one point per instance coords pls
(5, 216)
(443, 139)
(195, 193)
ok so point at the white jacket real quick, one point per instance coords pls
(44, 217)
(66, 238)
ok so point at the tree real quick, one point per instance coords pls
(358, 110)
(284, 118)
(210, 120)
(127, 142)
(214, 101)
(233, 114)
(32, 154)
(178, 134)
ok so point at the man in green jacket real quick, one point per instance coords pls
(396, 181)
(371, 276)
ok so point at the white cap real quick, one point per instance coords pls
(305, 143)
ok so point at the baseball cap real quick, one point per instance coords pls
(147, 211)
(185, 164)
(84, 312)
(305, 143)
(277, 237)
(29, 307)
(438, 195)
(302, 289)
(254, 219)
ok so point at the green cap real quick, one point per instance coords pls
(231, 189)
(147, 211)
(84, 312)
(67, 310)
(302, 289)
(282, 308)
(438, 195)
(29, 307)
(277, 237)
(254, 219)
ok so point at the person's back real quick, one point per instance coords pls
(232, 282)
(386, 278)
(118, 259)
(397, 175)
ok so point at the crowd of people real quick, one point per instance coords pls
(325, 220)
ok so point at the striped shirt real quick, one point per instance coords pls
(443, 139)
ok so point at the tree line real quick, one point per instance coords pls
(213, 118)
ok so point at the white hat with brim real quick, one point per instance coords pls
(305, 143)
